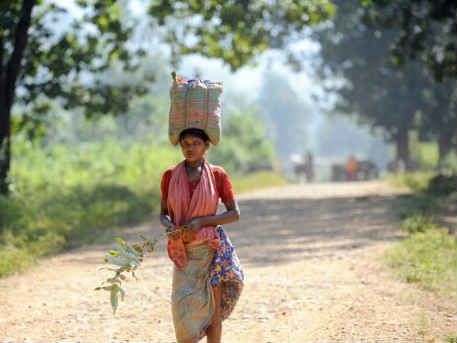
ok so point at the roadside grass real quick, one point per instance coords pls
(428, 258)
(428, 255)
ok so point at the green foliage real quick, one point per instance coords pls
(442, 185)
(244, 147)
(389, 96)
(427, 32)
(430, 194)
(427, 155)
(428, 258)
(429, 255)
(415, 181)
(77, 194)
(14, 259)
(127, 258)
(417, 223)
(56, 63)
(235, 31)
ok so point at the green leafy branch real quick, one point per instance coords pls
(128, 258)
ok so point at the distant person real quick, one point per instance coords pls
(309, 167)
(351, 168)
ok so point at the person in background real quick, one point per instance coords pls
(351, 168)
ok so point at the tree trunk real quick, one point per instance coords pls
(5, 144)
(402, 146)
(8, 77)
(444, 146)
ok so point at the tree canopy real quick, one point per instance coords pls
(427, 32)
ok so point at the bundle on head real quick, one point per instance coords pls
(196, 104)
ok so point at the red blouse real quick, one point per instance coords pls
(223, 185)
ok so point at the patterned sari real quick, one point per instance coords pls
(199, 268)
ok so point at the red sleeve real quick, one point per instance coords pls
(164, 185)
(223, 185)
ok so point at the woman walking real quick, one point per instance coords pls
(207, 276)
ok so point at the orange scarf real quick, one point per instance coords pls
(182, 208)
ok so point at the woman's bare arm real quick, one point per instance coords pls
(231, 215)
(166, 221)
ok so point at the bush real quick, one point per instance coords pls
(415, 181)
(417, 223)
(442, 185)
(429, 258)
(416, 204)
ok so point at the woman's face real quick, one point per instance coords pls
(193, 148)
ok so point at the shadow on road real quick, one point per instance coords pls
(282, 230)
(275, 231)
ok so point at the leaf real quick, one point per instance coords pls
(134, 263)
(138, 248)
(133, 251)
(120, 261)
(125, 252)
(120, 241)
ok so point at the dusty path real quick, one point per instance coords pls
(312, 258)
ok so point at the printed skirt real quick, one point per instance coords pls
(192, 296)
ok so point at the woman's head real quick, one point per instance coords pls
(194, 143)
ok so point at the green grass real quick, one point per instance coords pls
(428, 258)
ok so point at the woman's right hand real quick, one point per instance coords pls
(173, 232)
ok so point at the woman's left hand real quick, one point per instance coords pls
(194, 224)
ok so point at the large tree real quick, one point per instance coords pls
(374, 88)
(426, 33)
(47, 53)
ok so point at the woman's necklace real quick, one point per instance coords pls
(194, 173)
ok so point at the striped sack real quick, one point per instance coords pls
(195, 104)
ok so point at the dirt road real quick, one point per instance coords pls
(312, 255)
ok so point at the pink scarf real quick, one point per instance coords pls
(183, 208)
